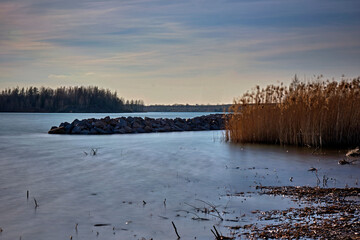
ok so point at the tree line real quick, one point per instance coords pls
(66, 99)
(188, 108)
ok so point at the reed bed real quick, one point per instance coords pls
(318, 114)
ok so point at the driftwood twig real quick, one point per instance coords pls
(177, 234)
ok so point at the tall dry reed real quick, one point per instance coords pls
(319, 113)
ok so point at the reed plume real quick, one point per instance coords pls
(319, 113)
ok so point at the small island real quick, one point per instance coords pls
(123, 125)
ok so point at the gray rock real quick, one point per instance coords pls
(128, 129)
(160, 129)
(76, 130)
(99, 124)
(64, 124)
(130, 120)
(165, 128)
(88, 125)
(76, 121)
(214, 127)
(113, 122)
(93, 131)
(148, 129)
(140, 130)
(68, 128)
(85, 132)
(119, 130)
(58, 130)
(99, 130)
(136, 125)
(121, 123)
(187, 127)
(178, 129)
(109, 129)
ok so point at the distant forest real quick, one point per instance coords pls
(187, 108)
(65, 99)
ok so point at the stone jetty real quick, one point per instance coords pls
(126, 125)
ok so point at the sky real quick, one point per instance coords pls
(176, 51)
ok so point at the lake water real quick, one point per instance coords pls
(72, 186)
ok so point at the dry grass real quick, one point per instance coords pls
(319, 113)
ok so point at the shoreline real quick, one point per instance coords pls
(322, 213)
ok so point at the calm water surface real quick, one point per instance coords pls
(72, 186)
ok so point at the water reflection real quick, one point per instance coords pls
(73, 187)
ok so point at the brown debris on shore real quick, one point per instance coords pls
(332, 213)
(312, 194)
(353, 153)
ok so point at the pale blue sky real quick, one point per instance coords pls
(176, 51)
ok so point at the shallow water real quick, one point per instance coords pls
(72, 186)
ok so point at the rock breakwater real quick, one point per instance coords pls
(125, 125)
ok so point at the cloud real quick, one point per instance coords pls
(175, 43)
(58, 76)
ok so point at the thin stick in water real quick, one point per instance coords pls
(214, 233)
(217, 233)
(175, 230)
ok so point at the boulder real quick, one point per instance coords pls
(130, 120)
(206, 126)
(148, 129)
(68, 128)
(99, 124)
(177, 129)
(64, 124)
(140, 130)
(128, 129)
(76, 130)
(121, 123)
(85, 132)
(214, 127)
(93, 131)
(57, 130)
(136, 125)
(88, 125)
(75, 121)
(99, 130)
(113, 122)
(119, 130)
(109, 129)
